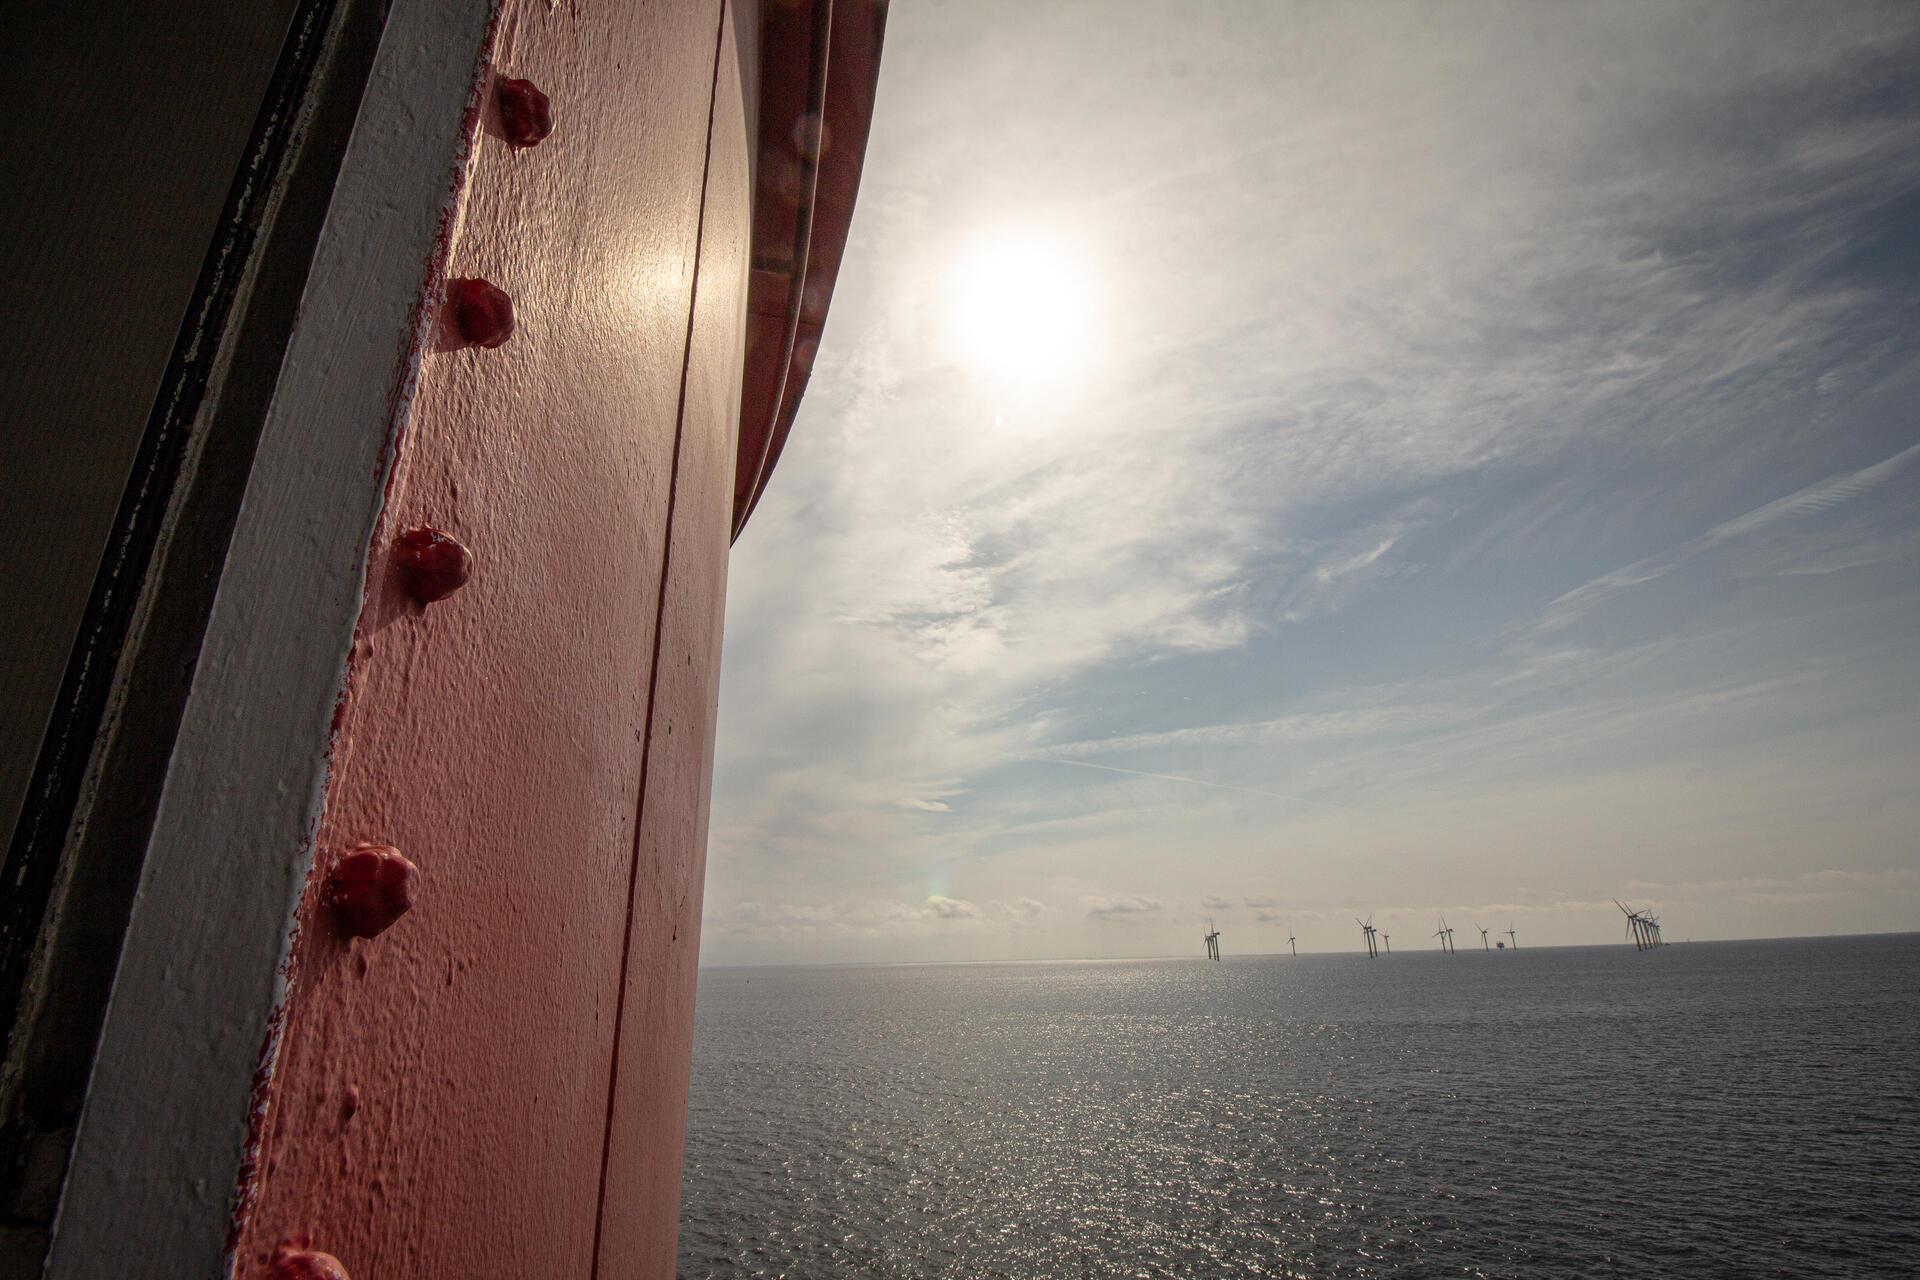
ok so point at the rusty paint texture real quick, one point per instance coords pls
(443, 1104)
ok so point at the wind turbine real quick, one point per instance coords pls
(1510, 937)
(1388, 939)
(1213, 940)
(1636, 926)
(1294, 949)
(1366, 931)
(1446, 937)
(1484, 944)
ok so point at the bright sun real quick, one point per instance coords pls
(1023, 309)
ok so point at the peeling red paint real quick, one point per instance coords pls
(247, 1183)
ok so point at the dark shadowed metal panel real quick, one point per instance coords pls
(74, 855)
(129, 122)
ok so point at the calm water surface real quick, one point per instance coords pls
(1720, 1109)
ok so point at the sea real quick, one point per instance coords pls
(1701, 1110)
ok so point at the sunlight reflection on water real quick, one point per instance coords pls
(1545, 1112)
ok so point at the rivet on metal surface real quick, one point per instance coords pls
(434, 564)
(370, 887)
(306, 1264)
(526, 115)
(482, 312)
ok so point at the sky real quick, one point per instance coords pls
(1284, 463)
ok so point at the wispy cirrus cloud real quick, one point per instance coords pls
(1334, 723)
(1811, 500)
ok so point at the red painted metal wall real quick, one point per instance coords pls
(640, 1212)
(809, 177)
(496, 1085)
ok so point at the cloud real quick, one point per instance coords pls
(1163, 777)
(1808, 888)
(1399, 328)
(1125, 905)
(847, 918)
(1811, 500)
(1214, 903)
(1315, 726)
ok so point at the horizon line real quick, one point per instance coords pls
(1280, 955)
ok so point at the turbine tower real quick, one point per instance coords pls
(1366, 931)
(1213, 940)
(1642, 926)
(1290, 946)
(1446, 937)
(1484, 944)
(1510, 936)
(1388, 939)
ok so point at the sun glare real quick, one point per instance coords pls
(1023, 309)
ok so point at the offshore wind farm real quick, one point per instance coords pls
(1642, 930)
